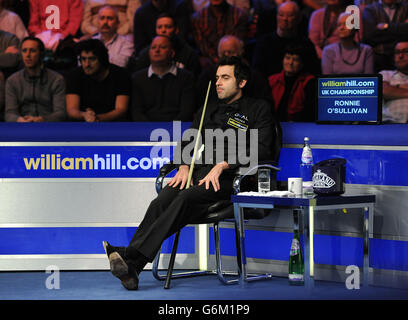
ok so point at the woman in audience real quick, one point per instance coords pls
(293, 89)
(347, 55)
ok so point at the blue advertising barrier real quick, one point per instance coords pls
(83, 161)
(376, 156)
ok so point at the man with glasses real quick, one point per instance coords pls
(395, 87)
(98, 90)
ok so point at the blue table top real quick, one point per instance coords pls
(315, 201)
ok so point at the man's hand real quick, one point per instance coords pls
(391, 92)
(23, 119)
(213, 176)
(50, 39)
(89, 115)
(34, 119)
(181, 177)
(30, 119)
(12, 49)
(382, 26)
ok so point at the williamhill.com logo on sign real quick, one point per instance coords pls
(322, 180)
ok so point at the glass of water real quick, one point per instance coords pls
(264, 180)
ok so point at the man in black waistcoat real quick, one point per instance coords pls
(176, 206)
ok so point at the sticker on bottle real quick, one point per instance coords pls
(307, 157)
(295, 247)
(296, 277)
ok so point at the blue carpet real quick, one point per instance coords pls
(101, 285)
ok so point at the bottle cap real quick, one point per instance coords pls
(306, 138)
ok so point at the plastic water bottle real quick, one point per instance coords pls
(306, 169)
(264, 181)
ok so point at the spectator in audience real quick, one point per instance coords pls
(9, 52)
(244, 5)
(144, 21)
(98, 90)
(266, 11)
(293, 89)
(347, 56)
(214, 21)
(257, 84)
(184, 55)
(11, 22)
(125, 11)
(323, 25)
(45, 25)
(312, 5)
(385, 23)
(2, 93)
(395, 87)
(9, 60)
(35, 93)
(10, 28)
(119, 47)
(162, 92)
(21, 7)
(315, 4)
(269, 49)
(197, 5)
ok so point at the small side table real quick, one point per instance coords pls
(306, 206)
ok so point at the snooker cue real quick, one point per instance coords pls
(190, 172)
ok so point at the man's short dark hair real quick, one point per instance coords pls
(41, 46)
(167, 15)
(97, 48)
(242, 70)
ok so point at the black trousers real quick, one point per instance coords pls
(172, 210)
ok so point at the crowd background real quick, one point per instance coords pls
(151, 60)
